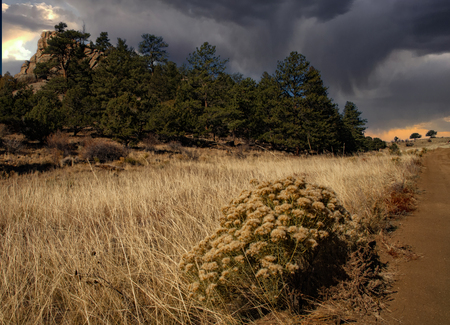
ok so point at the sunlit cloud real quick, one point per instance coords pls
(447, 119)
(23, 24)
(13, 45)
(14, 49)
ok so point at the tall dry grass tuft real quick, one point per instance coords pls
(100, 247)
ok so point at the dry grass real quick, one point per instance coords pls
(82, 246)
(439, 142)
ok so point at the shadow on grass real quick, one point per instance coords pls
(7, 170)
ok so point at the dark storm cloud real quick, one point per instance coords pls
(350, 47)
(11, 66)
(415, 95)
(244, 12)
(429, 21)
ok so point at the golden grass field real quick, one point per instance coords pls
(81, 245)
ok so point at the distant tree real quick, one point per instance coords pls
(415, 136)
(396, 139)
(8, 83)
(61, 27)
(354, 125)
(153, 49)
(374, 143)
(102, 43)
(431, 134)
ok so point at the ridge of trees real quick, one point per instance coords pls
(132, 93)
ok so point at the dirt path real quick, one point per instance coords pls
(423, 289)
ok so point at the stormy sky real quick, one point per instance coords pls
(390, 57)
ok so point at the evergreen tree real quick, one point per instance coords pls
(354, 128)
(153, 49)
(7, 86)
(263, 120)
(415, 136)
(65, 47)
(121, 72)
(203, 90)
(103, 43)
(431, 134)
(46, 116)
(305, 118)
(77, 108)
(374, 144)
(239, 113)
(121, 119)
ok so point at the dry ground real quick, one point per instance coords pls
(423, 287)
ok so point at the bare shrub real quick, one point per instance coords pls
(401, 199)
(59, 141)
(3, 130)
(394, 149)
(241, 150)
(150, 142)
(175, 146)
(13, 146)
(190, 154)
(363, 293)
(103, 150)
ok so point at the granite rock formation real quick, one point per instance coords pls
(26, 73)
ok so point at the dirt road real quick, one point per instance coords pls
(423, 289)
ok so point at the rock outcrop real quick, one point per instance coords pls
(26, 73)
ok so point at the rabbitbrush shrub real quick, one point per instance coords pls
(273, 244)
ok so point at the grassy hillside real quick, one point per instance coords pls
(83, 245)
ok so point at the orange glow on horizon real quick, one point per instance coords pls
(402, 134)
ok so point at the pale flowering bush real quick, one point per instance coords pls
(272, 243)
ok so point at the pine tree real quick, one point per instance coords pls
(103, 43)
(121, 119)
(121, 76)
(203, 91)
(65, 47)
(46, 116)
(354, 127)
(305, 118)
(153, 49)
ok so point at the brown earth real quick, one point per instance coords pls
(423, 287)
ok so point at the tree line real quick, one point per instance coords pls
(132, 93)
